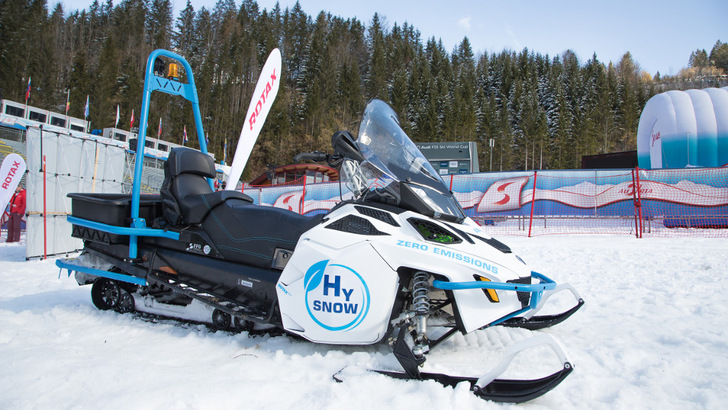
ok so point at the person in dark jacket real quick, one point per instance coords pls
(17, 209)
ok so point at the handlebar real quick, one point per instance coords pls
(311, 156)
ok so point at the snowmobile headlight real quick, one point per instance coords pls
(490, 293)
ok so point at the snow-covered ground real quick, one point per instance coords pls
(653, 334)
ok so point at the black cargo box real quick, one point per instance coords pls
(111, 209)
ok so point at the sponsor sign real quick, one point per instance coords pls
(11, 171)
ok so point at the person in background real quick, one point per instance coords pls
(17, 209)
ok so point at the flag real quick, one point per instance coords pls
(116, 125)
(27, 92)
(131, 123)
(184, 135)
(159, 131)
(224, 152)
(68, 101)
(85, 110)
(207, 140)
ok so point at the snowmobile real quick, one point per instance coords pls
(398, 262)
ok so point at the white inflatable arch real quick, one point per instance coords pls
(681, 129)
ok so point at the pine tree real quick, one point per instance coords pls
(184, 35)
(377, 69)
(699, 59)
(719, 56)
(159, 24)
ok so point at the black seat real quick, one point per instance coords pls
(186, 194)
(250, 234)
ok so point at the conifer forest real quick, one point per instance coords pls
(543, 112)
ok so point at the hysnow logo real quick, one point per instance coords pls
(337, 298)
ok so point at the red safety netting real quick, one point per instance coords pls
(680, 202)
(683, 202)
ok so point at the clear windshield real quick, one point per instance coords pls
(396, 171)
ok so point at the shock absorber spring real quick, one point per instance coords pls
(421, 292)
(421, 306)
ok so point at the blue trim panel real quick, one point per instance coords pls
(63, 264)
(122, 230)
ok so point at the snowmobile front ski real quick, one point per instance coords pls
(487, 387)
(531, 321)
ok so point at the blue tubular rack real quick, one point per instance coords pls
(536, 290)
(169, 86)
(546, 284)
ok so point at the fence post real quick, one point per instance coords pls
(45, 212)
(533, 201)
(634, 203)
(303, 196)
(638, 200)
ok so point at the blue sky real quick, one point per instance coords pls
(660, 35)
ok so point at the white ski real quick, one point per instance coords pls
(263, 97)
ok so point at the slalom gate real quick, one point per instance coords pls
(659, 203)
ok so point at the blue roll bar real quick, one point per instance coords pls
(170, 86)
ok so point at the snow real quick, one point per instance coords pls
(651, 335)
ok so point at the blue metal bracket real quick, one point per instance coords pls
(546, 284)
(65, 264)
(173, 87)
(536, 290)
